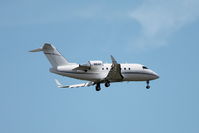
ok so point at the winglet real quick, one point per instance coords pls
(58, 83)
(113, 60)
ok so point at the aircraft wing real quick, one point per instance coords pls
(73, 86)
(115, 72)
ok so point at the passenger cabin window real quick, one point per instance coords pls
(102, 68)
(124, 68)
(129, 68)
(107, 68)
(144, 67)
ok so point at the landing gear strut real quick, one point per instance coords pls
(107, 84)
(97, 87)
(147, 86)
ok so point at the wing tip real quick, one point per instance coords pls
(113, 60)
(59, 85)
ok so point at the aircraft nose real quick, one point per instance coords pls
(156, 76)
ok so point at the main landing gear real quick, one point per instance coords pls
(107, 84)
(147, 86)
(97, 87)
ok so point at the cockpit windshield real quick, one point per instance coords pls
(144, 67)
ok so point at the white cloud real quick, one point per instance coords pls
(160, 18)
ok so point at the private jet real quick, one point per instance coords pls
(95, 72)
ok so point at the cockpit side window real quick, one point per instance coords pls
(144, 67)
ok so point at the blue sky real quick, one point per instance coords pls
(163, 35)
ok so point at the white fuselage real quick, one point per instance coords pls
(96, 73)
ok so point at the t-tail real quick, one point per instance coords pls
(53, 55)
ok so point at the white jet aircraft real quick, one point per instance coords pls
(96, 72)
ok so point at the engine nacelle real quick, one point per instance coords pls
(89, 65)
(95, 63)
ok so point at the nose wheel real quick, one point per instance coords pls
(147, 86)
(97, 87)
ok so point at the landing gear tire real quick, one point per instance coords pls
(148, 86)
(98, 88)
(107, 84)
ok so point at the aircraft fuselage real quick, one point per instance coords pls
(96, 72)
(130, 72)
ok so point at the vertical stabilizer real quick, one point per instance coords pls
(54, 57)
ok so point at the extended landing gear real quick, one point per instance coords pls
(107, 84)
(147, 86)
(97, 87)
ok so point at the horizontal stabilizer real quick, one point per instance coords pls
(36, 50)
(73, 86)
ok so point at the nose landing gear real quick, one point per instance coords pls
(147, 86)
